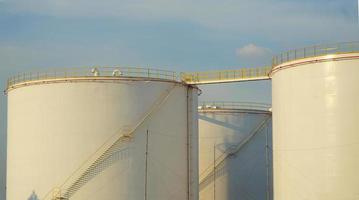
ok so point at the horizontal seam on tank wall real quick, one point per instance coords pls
(276, 69)
(235, 111)
(89, 79)
(349, 145)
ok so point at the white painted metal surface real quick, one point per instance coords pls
(233, 144)
(316, 128)
(58, 131)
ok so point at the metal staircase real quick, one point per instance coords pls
(109, 152)
(104, 157)
(208, 174)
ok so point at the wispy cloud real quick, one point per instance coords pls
(252, 54)
(274, 19)
(252, 51)
(27, 57)
(217, 35)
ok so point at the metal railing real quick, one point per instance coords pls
(317, 50)
(244, 74)
(213, 105)
(92, 72)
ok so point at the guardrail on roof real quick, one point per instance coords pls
(317, 50)
(92, 72)
(217, 105)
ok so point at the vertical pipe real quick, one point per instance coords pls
(267, 163)
(214, 171)
(146, 165)
(192, 144)
(188, 146)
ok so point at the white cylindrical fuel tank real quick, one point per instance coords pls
(102, 133)
(316, 125)
(234, 162)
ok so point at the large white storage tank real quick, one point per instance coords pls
(316, 123)
(233, 143)
(102, 133)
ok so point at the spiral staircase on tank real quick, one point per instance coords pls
(207, 175)
(104, 156)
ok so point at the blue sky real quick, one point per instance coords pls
(180, 35)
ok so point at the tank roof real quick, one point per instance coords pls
(315, 51)
(225, 106)
(90, 73)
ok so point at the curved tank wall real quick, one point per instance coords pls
(316, 126)
(102, 138)
(233, 145)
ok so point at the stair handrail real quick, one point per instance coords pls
(57, 194)
(208, 172)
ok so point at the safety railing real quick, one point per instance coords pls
(92, 72)
(214, 105)
(317, 50)
(244, 74)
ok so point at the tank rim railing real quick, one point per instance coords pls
(316, 50)
(94, 71)
(232, 105)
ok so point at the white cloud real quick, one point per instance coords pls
(254, 55)
(253, 51)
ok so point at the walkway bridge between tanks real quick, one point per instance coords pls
(226, 76)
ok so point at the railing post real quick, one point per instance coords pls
(326, 49)
(339, 47)
(288, 56)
